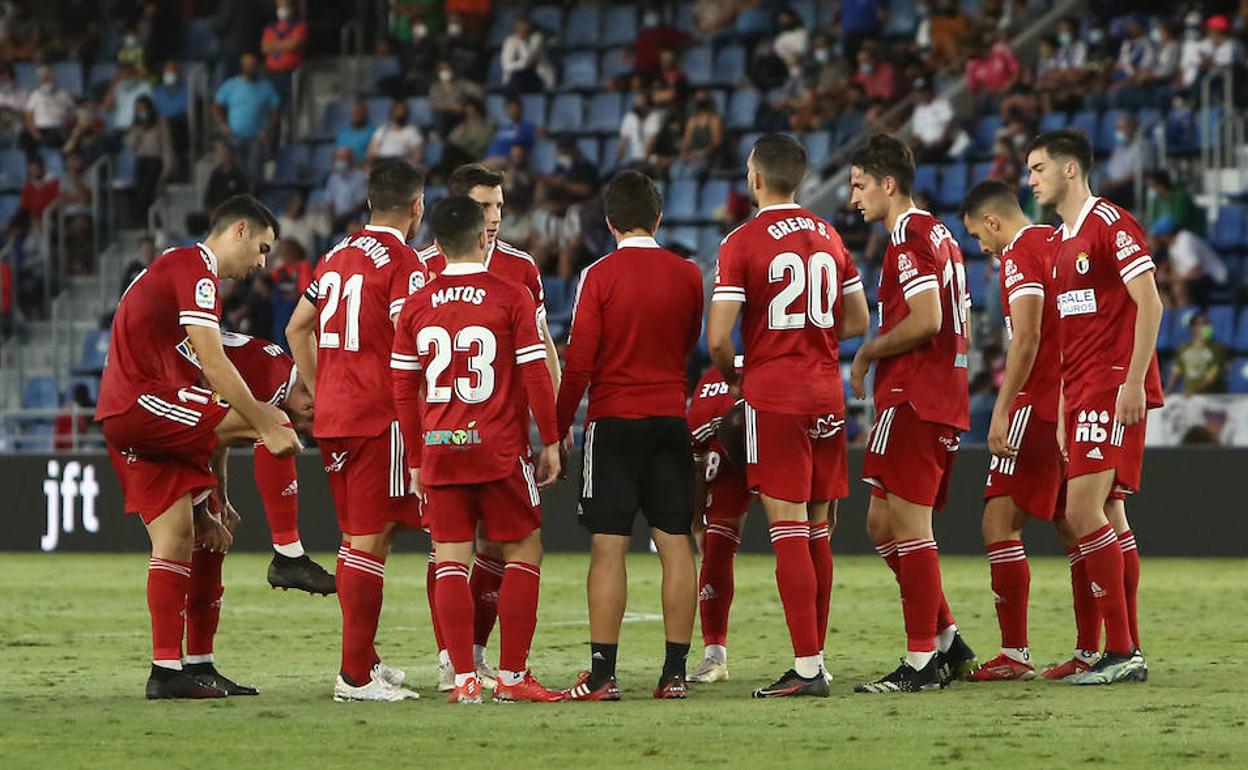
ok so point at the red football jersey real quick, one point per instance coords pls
(710, 401)
(466, 337)
(267, 369)
(359, 286)
(149, 348)
(791, 270)
(922, 256)
(1093, 262)
(503, 260)
(1026, 265)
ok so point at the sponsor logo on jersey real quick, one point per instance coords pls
(206, 293)
(459, 437)
(1082, 263)
(1076, 302)
(905, 267)
(458, 294)
(415, 282)
(187, 351)
(1012, 274)
(1126, 245)
(1090, 428)
(825, 427)
(337, 460)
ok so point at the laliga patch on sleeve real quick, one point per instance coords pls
(415, 282)
(206, 293)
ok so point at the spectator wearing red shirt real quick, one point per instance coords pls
(994, 70)
(654, 37)
(878, 77)
(39, 190)
(282, 45)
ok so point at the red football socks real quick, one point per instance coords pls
(887, 549)
(203, 602)
(821, 559)
(1131, 581)
(1087, 614)
(517, 614)
(1103, 555)
(431, 590)
(454, 606)
(715, 582)
(167, 584)
(484, 583)
(795, 576)
(920, 591)
(1011, 583)
(278, 483)
(360, 581)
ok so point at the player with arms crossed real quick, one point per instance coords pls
(468, 366)
(789, 277)
(921, 407)
(162, 426)
(341, 334)
(1027, 471)
(509, 263)
(1108, 316)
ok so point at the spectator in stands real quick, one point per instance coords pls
(39, 190)
(22, 35)
(472, 15)
(397, 138)
(638, 130)
(950, 29)
(1004, 164)
(81, 28)
(239, 26)
(861, 20)
(1166, 37)
(468, 141)
(346, 191)
(672, 84)
(1072, 51)
(152, 143)
(447, 97)
(992, 69)
(520, 181)
(357, 134)
(515, 132)
(877, 76)
(711, 16)
(931, 123)
(289, 278)
(297, 226)
(1190, 268)
(226, 179)
(1137, 57)
(703, 136)
(1218, 49)
(525, 66)
(246, 109)
(24, 252)
(125, 89)
(1171, 200)
(1201, 364)
(657, 35)
(88, 136)
(12, 103)
(73, 421)
(283, 44)
(47, 112)
(573, 179)
(131, 51)
(792, 43)
(1130, 157)
(146, 253)
(418, 59)
(74, 199)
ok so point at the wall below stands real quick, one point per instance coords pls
(1190, 507)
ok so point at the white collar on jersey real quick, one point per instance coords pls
(384, 229)
(778, 207)
(1071, 232)
(463, 268)
(1018, 235)
(209, 257)
(638, 242)
(901, 220)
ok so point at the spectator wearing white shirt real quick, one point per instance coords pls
(346, 190)
(1137, 56)
(1130, 157)
(12, 102)
(638, 130)
(397, 138)
(1190, 268)
(525, 68)
(931, 123)
(793, 41)
(125, 90)
(47, 111)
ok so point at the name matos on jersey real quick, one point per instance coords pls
(469, 294)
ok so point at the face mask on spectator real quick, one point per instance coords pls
(1065, 38)
(651, 19)
(283, 13)
(341, 166)
(822, 55)
(419, 31)
(1155, 35)
(141, 114)
(400, 119)
(1096, 36)
(130, 41)
(445, 76)
(454, 29)
(170, 79)
(1120, 136)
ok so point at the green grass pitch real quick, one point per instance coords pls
(74, 646)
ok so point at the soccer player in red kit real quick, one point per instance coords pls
(468, 365)
(1108, 316)
(162, 426)
(1027, 472)
(789, 277)
(341, 334)
(721, 498)
(506, 261)
(920, 353)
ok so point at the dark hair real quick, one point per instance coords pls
(781, 160)
(1161, 177)
(632, 202)
(393, 183)
(883, 156)
(471, 175)
(1068, 143)
(247, 208)
(457, 223)
(988, 194)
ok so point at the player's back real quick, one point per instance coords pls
(149, 348)
(922, 255)
(503, 260)
(266, 368)
(711, 399)
(792, 271)
(359, 286)
(1026, 268)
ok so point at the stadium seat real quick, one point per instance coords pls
(1086, 121)
(685, 238)
(320, 163)
(986, 131)
(9, 204)
(730, 65)
(926, 179)
(1052, 121)
(818, 146)
(742, 108)
(1237, 380)
(494, 72)
(419, 111)
(584, 26)
(548, 17)
(12, 169)
(555, 290)
(534, 108)
(496, 107)
(94, 352)
(681, 200)
(125, 170)
(25, 74)
(41, 393)
(977, 281)
(980, 171)
(745, 145)
(1222, 319)
(580, 71)
(291, 160)
(617, 62)
(953, 185)
(382, 67)
(1240, 341)
(333, 118)
(504, 18)
(698, 65)
(68, 75)
(605, 112)
(566, 114)
(379, 109)
(199, 38)
(714, 194)
(544, 155)
(92, 384)
(591, 148)
(1104, 139)
(903, 19)
(709, 238)
(620, 25)
(1166, 342)
(53, 161)
(1230, 231)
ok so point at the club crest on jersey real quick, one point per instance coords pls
(1082, 263)
(1126, 245)
(905, 267)
(187, 351)
(459, 437)
(206, 293)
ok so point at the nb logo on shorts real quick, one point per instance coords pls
(337, 461)
(1090, 427)
(825, 427)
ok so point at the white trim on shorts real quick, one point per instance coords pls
(587, 463)
(880, 433)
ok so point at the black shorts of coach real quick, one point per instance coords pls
(628, 465)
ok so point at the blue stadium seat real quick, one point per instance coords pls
(980, 171)
(12, 169)
(605, 112)
(504, 18)
(1240, 342)
(125, 171)
(495, 107)
(534, 108)
(1222, 319)
(544, 155)
(333, 118)
(708, 242)
(41, 393)
(548, 17)
(199, 38)
(379, 109)
(321, 162)
(580, 70)
(1104, 139)
(927, 178)
(617, 62)
(9, 205)
(98, 78)
(714, 194)
(986, 131)
(69, 76)
(291, 160)
(566, 114)
(591, 148)
(620, 25)
(682, 17)
(382, 67)
(818, 146)
(1052, 121)
(730, 65)
(698, 65)
(25, 74)
(1237, 382)
(685, 237)
(419, 111)
(681, 200)
(1086, 121)
(584, 26)
(742, 108)
(745, 145)
(1230, 232)
(92, 384)
(903, 19)
(494, 72)
(953, 185)
(977, 281)
(1166, 342)
(555, 290)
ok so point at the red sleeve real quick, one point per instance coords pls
(851, 281)
(916, 267)
(1022, 274)
(406, 278)
(729, 273)
(1125, 240)
(531, 359)
(196, 292)
(533, 282)
(583, 339)
(406, 379)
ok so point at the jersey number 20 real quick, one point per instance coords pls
(816, 278)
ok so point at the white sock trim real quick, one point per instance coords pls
(444, 658)
(1017, 654)
(174, 665)
(478, 654)
(807, 666)
(461, 678)
(290, 550)
(717, 652)
(511, 678)
(191, 660)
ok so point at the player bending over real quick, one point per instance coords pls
(468, 365)
(162, 426)
(921, 407)
(1108, 316)
(789, 277)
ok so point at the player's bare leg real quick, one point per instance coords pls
(822, 516)
(484, 581)
(607, 590)
(715, 593)
(1086, 497)
(789, 528)
(517, 620)
(680, 604)
(1011, 581)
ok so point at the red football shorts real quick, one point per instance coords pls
(1096, 442)
(1033, 478)
(368, 479)
(508, 508)
(909, 457)
(794, 457)
(728, 493)
(162, 446)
